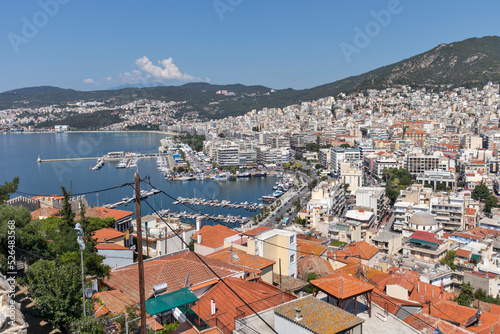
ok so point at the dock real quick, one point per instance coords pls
(105, 158)
(217, 203)
(220, 218)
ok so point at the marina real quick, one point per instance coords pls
(227, 219)
(224, 203)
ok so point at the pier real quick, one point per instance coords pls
(217, 203)
(220, 218)
(105, 158)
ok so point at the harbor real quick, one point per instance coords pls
(227, 219)
(224, 203)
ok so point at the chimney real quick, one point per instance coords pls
(298, 314)
(199, 238)
(212, 307)
(198, 223)
(418, 287)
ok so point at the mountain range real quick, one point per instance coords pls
(470, 63)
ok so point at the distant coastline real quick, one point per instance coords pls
(98, 131)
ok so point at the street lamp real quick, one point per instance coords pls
(81, 243)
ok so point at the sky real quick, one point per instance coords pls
(91, 45)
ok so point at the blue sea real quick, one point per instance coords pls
(19, 152)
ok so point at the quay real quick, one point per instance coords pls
(105, 158)
(225, 219)
(217, 203)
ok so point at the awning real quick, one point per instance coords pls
(419, 241)
(476, 257)
(170, 301)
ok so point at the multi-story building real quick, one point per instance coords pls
(339, 155)
(276, 245)
(416, 164)
(373, 198)
(324, 158)
(418, 136)
(449, 211)
(228, 155)
(388, 243)
(384, 163)
(426, 246)
(326, 198)
(446, 178)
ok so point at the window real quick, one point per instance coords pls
(292, 239)
(292, 258)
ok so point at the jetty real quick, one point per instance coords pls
(216, 203)
(228, 219)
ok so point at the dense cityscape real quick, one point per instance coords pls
(244, 167)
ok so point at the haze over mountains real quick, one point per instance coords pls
(472, 62)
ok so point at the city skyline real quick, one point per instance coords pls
(89, 47)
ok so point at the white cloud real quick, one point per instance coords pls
(166, 71)
(149, 73)
(89, 81)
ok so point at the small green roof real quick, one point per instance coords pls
(476, 257)
(420, 241)
(170, 301)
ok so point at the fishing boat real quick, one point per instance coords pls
(244, 175)
(100, 163)
(260, 174)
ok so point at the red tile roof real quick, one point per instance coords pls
(463, 253)
(44, 213)
(259, 295)
(107, 235)
(426, 236)
(170, 269)
(360, 249)
(257, 230)
(341, 285)
(213, 236)
(470, 211)
(99, 212)
(113, 301)
(314, 264)
(247, 261)
(111, 246)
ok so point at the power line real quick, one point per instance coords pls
(213, 271)
(78, 194)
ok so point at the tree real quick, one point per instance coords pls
(8, 188)
(66, 212)
(56, 290)
(440, 186)
(449, 259)
(317, 166)
(466, 295)
(222, 135)
(345, 145)
(324, 178)
(491, 202)
(89, 325)
(480, 192)
(310, 277)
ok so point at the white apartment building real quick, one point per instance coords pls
(339, 155)
(384, 163)
(228, 155)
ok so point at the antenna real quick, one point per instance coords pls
(187, 280)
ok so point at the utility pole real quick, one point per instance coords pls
(142, 297)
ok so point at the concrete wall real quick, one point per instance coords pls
(488, 285)
(397, 291)
(267, 274)
(117, 258)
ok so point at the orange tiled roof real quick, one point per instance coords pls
(99, 212)
(171, 269)
(260, 295)
(111, 246)
(463, 253)
(358, 249)
(44, 212)
(421, 322)
(245, 260)
(48, 196)
(341, 285)
(470, 211)
(114, 301)
(107, 235)
(314, 264)
(257, 230)
(305, 247)
(213, 236)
